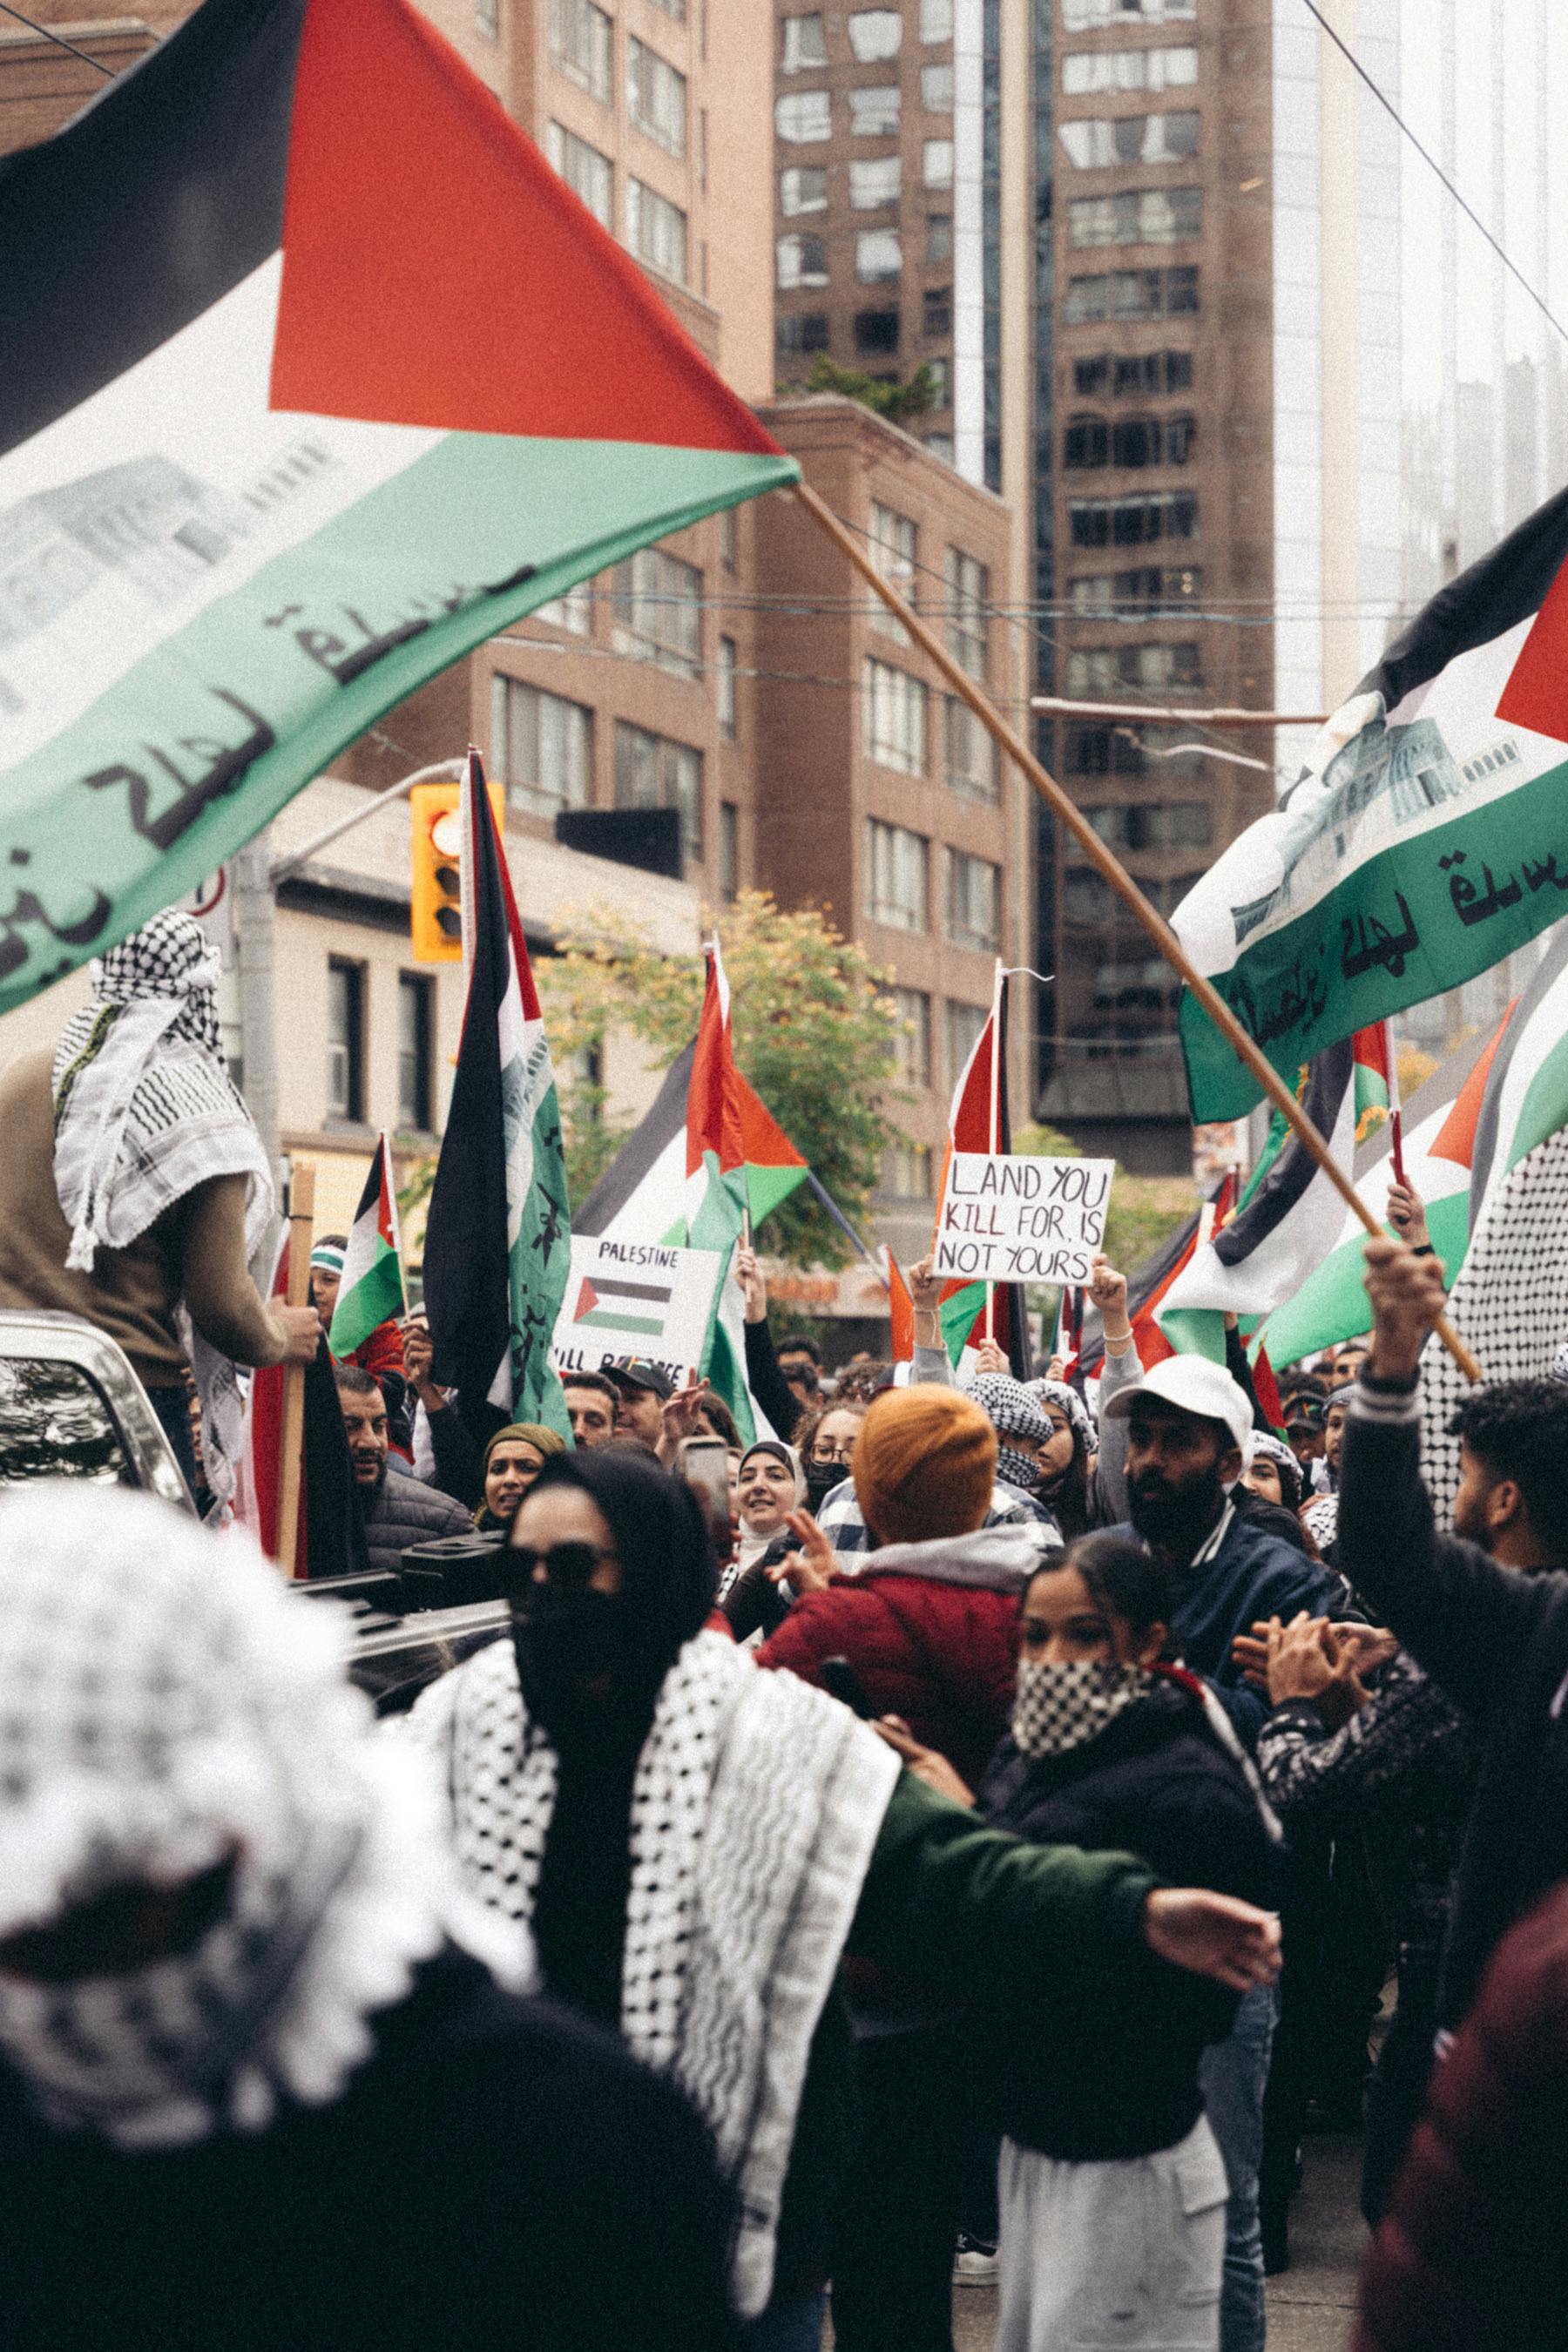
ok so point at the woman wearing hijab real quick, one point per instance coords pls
(514, 1460)
(771, 1486)
(758, 1597)
(695, 1843)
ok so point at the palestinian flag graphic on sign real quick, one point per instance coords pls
(314, 377)
(611, 1305)
(1427, 839)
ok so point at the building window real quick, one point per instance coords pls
(804, 45)
(1149, 584)
(937, 163)
(874, 112)
(879, 256)
(1121, 373)
(730, 540)
(973, 901)
(674, 10)
(1094, 141)
(725, 672)
(1085, 444)
(573, 611)
(486, 18)
(1132, 294)
(875, 331)
(802, 117)
(939, 377)
(874, 184)
(907, 1171)
(1102, 669)
(655, 231)
(940, 446)
(1087, 15)
(936, 20)
(653, 773)
(894, 724)
(939, 236)
(729, 852)
(580, 45)
(802, 261)
(416, 1054)
(345, 1040)
(804, 190)
(968, 595)
(875, 34)
(1086, 72)
(896, 871)
(658, 611)
(803, 331)
(656, 97)
(1136, 216)
(1133, 522)
(541, 747)
(965, 1025)
(974, 763)
(1154, 825)
(936, 88)
(913, 1039)
(587, 172)
(936, 311)
(893, 541)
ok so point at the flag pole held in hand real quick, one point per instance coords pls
(291, 1438)
(1063, 809)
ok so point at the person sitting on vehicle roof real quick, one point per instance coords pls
(396, 1508)
(258, 2086)
(134, 1190)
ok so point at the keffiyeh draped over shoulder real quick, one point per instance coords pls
(144, 1106)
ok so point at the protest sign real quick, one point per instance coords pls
(635, 1298)
(1021, 1218)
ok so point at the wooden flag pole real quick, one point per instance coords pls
(994, 1117)
(291, 1434)
(1105, 863)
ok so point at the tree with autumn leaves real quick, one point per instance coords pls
(815, 1031)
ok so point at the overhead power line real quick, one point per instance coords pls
(58, 39)
(1431, 161)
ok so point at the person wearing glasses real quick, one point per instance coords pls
(695, 1843)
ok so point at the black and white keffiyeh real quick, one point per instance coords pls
(744, 1881)
(1066, 1398)
(1062, 1705)
(1012, 1410)
(144, 1106)
(164, 1702)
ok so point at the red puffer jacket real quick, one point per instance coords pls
(1472, 2255)
(931, 1629)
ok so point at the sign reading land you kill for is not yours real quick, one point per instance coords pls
(1021, 1218)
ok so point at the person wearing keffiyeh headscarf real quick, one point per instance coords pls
(133, 1188)
(249, 2021)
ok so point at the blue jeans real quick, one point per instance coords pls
(1233, 2074)
(794, 2326)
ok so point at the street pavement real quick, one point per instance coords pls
(1310, 2306)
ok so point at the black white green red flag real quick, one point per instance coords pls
(1427, 839)
(370, 1288)
(980, 1121)
(314, 377)
(498, 1241)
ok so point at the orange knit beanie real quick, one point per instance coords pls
(924, 1464)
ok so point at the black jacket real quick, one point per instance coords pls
(404, 1510)
(1156, 1783)
(1496, 1640)
(499, 2177)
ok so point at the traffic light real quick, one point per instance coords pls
(436, 898)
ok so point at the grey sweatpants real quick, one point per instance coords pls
(1113, 2256)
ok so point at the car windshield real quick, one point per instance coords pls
(54, 1424)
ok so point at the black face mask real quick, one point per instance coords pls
(567, 1642)
(821, 1477)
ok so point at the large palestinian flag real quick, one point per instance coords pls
(312, 376)
(642, 1195)
(1427, 839)
(980, 1121)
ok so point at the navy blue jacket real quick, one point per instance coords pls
(1253, 1575)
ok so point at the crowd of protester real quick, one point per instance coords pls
(968, 1829)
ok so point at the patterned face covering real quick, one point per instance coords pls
(1062, 1707)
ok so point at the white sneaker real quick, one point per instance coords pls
(974, 2264)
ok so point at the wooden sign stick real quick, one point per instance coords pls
(291, 1434)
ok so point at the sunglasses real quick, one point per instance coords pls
(568, 1565)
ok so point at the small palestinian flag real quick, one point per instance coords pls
(314, 377)
(1427, 840)
(609, 1303)
(370, 1288)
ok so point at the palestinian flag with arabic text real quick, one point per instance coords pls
(312, 376)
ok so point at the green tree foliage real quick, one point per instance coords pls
(894, 401)
(815, 1032)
